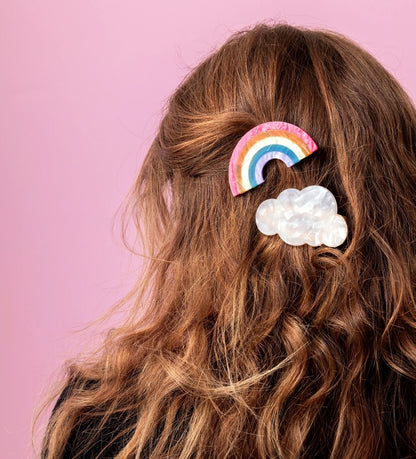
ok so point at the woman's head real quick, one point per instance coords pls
(361, 119)
(273, 350)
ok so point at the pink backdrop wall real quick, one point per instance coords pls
(82, 84)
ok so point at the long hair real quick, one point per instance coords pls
(237, 344)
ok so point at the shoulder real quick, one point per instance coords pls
(89, 437)
(68, 390)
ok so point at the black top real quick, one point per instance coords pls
(104, 445)
(81, 434)
(104, 448)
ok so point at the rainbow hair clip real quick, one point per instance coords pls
(275, 139)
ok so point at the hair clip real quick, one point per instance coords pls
(275, 139)
(307, 216)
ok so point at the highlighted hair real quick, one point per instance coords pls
(237, 345)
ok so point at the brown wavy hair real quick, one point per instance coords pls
(236, 344)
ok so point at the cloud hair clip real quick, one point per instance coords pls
(307, 216)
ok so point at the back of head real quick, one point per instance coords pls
(250, 347)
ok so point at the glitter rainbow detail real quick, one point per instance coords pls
(275, 139)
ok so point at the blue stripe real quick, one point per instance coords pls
(263, 151)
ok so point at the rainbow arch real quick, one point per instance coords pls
(272, 140)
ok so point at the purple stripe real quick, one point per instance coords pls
(258, 171)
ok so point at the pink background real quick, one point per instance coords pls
(82, 84)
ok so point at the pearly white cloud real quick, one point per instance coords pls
(307, 216)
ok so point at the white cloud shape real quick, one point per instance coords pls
(307, 216)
